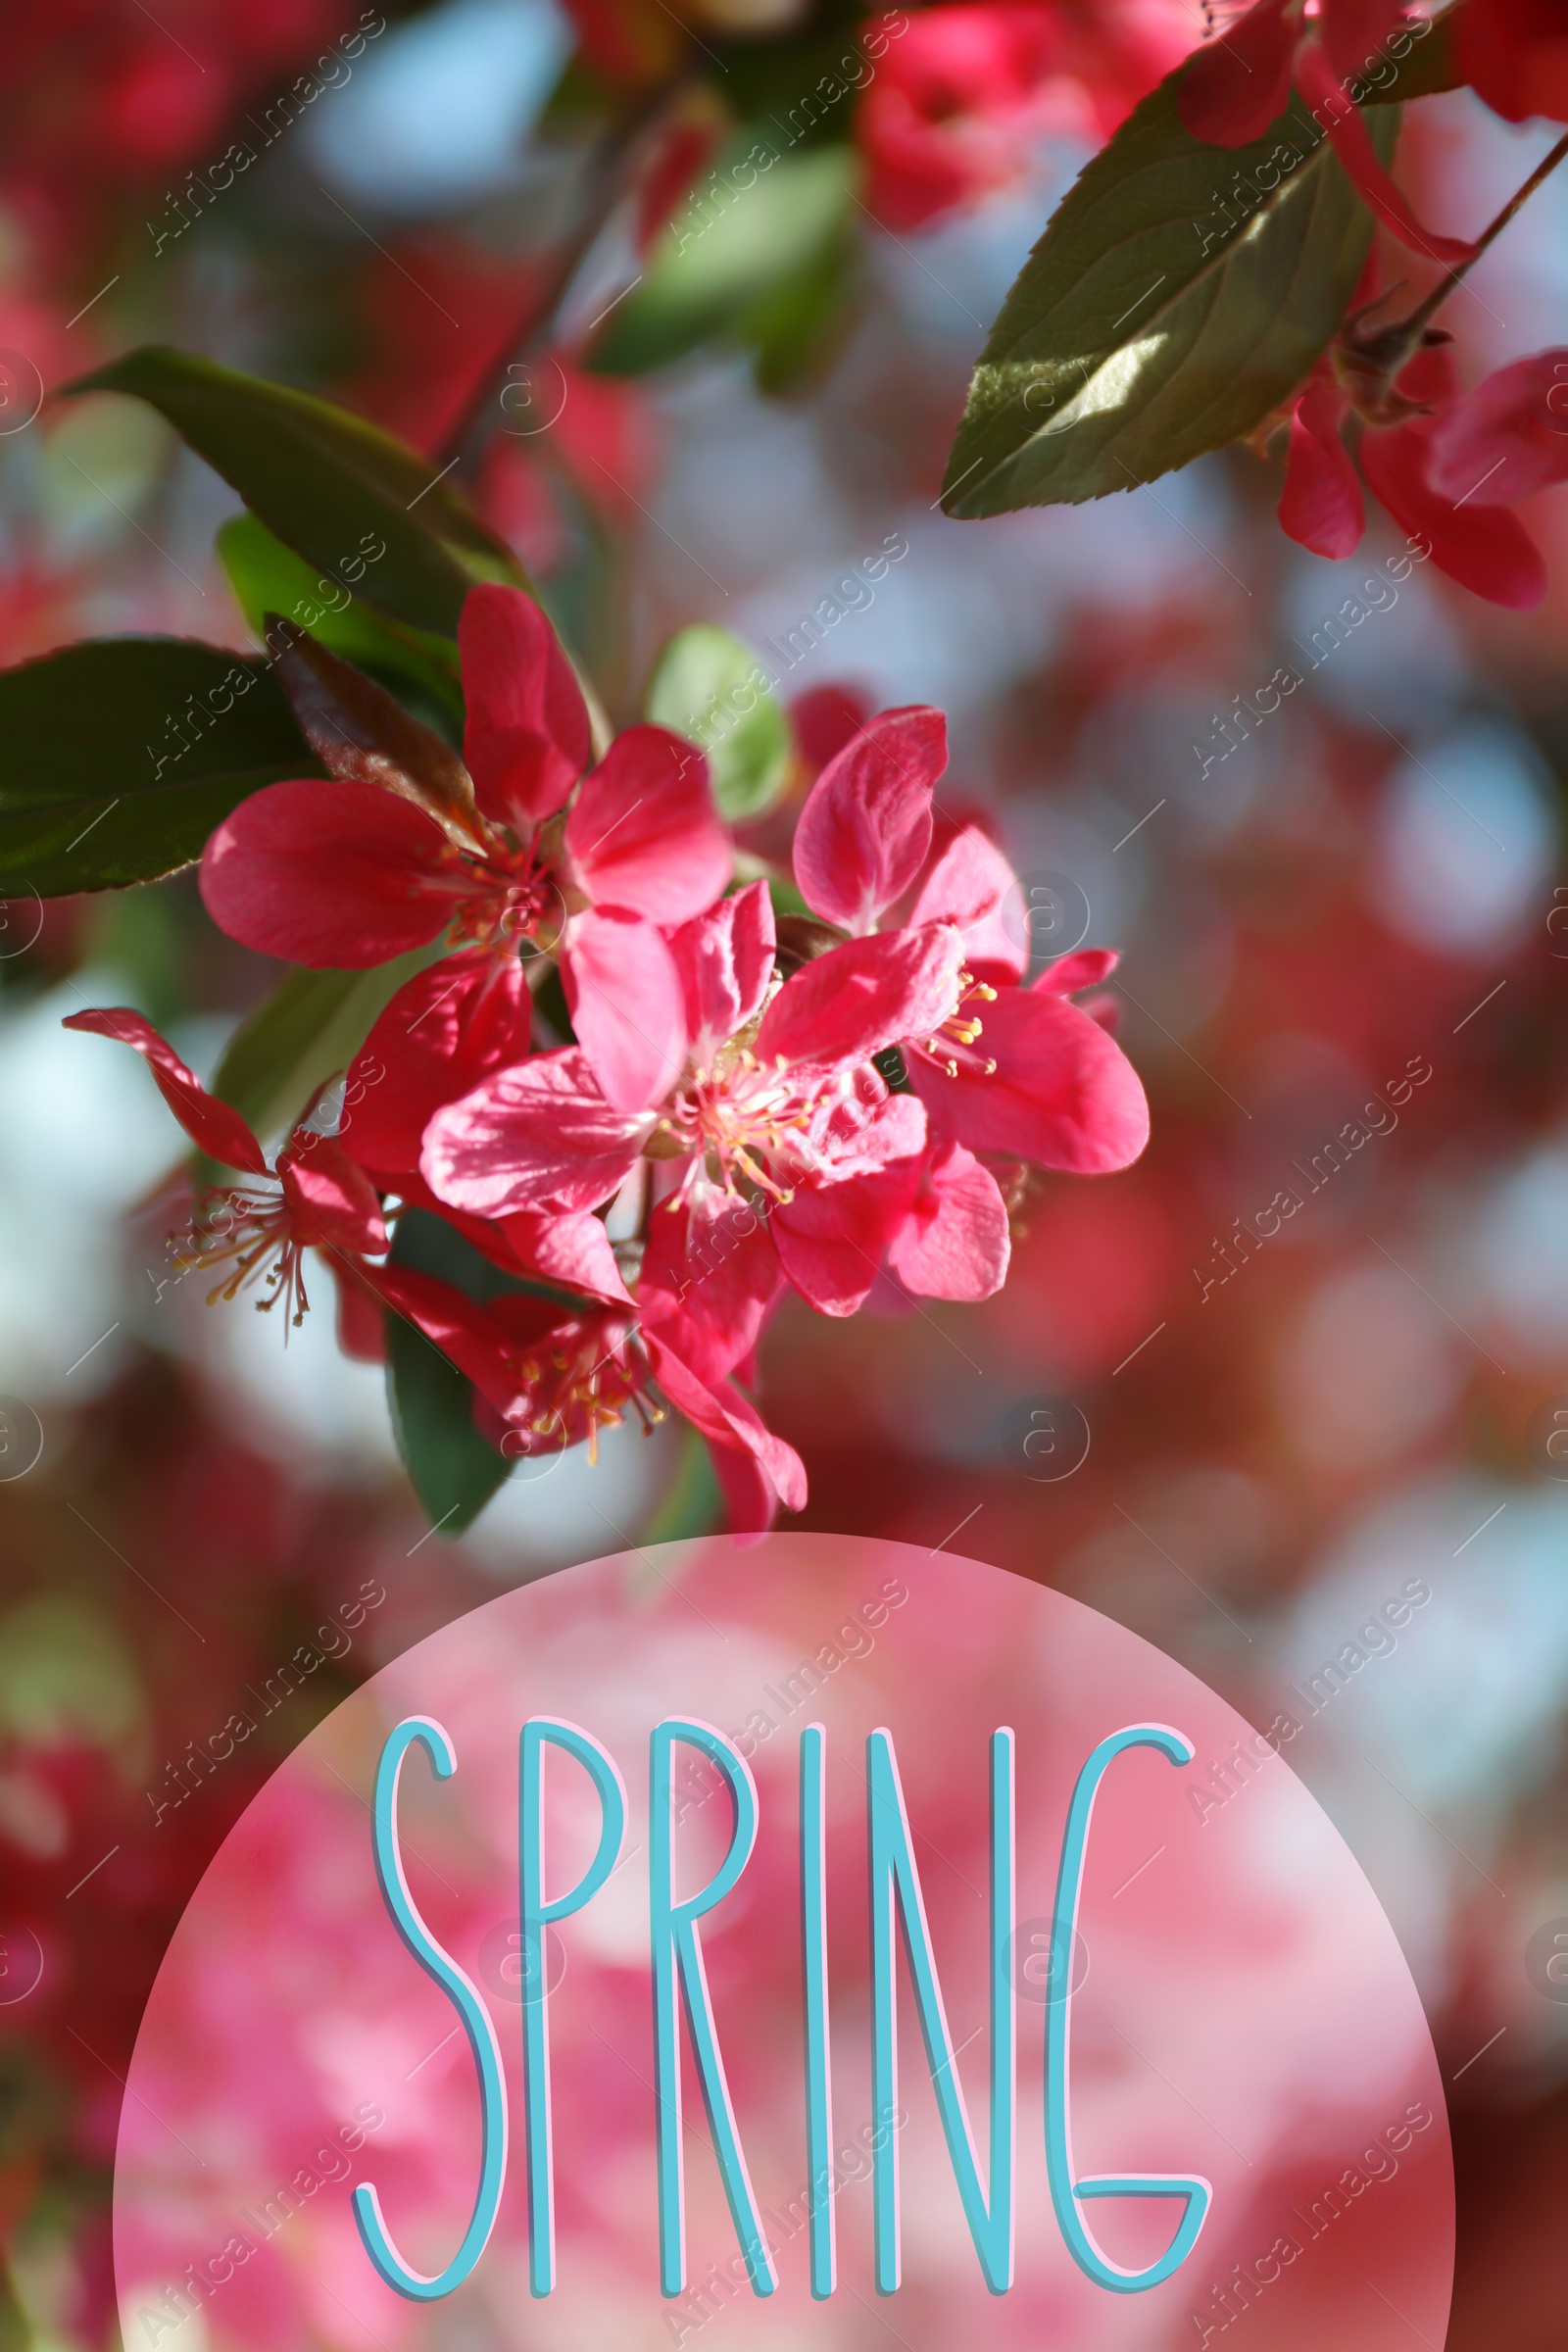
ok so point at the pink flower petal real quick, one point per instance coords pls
(845, 1005)
(955, 1243)
(728, 1421)
(644, 833)
(1507, 439)
(627, 1004)
(726, 960)
(1086, 967)
(1321, 506)
(824, 719)
(540, 1136)
(213, 1126)
(465, 1333)
(950, 110)
(1485, 549)
(336, 876)
(333, 1202)
(1514, 54)
(573, 1251)
(709, 1278)
(527, 738)
(1320, 85)
(1063, 1094)
(445, 1030)
(360, 1324)
(860, 1132)
(749, 1495)
(831, 1239)
(865, 829)
(1240, 81)
(1352, 31)
(971, 884)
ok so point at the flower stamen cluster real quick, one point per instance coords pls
(256, 1232)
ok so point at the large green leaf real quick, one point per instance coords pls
(1174, 300)
(310, 1028)
(728, 273)
(269, 577)
(329, 485)
(710, 688)
(119, 757)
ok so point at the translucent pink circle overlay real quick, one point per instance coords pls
(1240, 2008)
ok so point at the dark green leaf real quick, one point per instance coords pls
(119, 757)
(1173, 301)
(721, 266)
(452, 1469)
(269, 577)
(310, 1028)
(359, 505)
(803, 83)
(711, 689)
(794, 331)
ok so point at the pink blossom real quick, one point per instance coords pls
(533, 853)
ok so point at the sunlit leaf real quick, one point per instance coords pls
(1179, 293)
(714, 690)
(269, 577)
(727, 260)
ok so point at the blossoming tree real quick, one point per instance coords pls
(583, 1064)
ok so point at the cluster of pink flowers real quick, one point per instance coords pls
(1448, 465)
(966, 95)
(742, 1105)
(1513, 53)
(1236, 87)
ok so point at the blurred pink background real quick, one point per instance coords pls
(1241, 2010)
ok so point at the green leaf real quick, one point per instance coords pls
(724, 275)
(711, 689)
(119, 757)
(796, 331)
(310, 1028)
(269, 577)
(1157, 319)
(452, 1469)
(329, 485)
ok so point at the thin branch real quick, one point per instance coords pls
(1444, 286)
(608, 171)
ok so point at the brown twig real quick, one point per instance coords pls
(608, 171)
(1444, 286)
